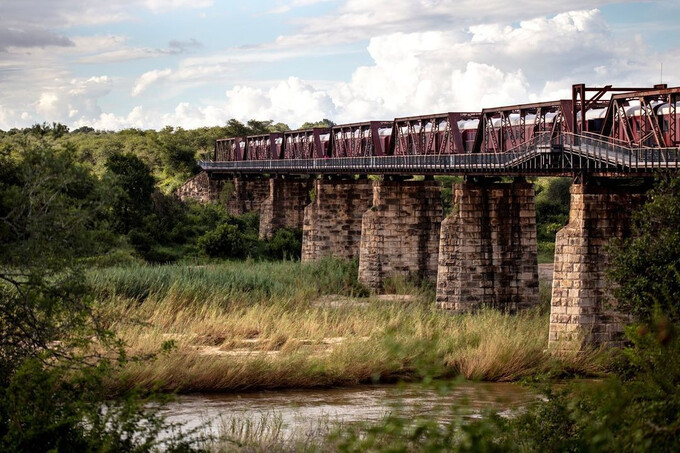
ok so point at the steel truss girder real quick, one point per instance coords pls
(229, 149)
(359, 139)
(304, 144)
(649, 125)
(490, 138)
(263, 147)
(410, 135)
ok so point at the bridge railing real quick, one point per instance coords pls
(375, 164)
(614, 152)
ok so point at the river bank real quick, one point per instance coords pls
(241, 326)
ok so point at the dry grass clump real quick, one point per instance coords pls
(241, 326)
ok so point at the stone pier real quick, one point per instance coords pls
(488, 248)
(582, 308)
(201, 188)
(332, 224)
(247, 194)
(285, 205)
(400, 232)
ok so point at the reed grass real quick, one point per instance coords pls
(267, 432)
(245, 325)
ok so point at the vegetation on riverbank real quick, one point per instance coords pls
(247, 325)
(76, 344)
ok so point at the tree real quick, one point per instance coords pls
(132, 186)
(552, 208)
(84, 130)
(178, 153)
(236, 129)
(323, 123)
(55, 352)
(279, 127)
(259, 127)
(646, 267)
(47, 207)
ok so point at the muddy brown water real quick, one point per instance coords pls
(304, 410)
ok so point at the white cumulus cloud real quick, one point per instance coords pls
(75, 100)
(149, 78)
(292, 101)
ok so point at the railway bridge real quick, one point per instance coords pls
(611, 141)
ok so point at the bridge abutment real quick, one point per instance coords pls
(400, 232)
(284, 206)
(332, 222)
(247, 194)
(488, 248)
(201, 188)
(583, 310)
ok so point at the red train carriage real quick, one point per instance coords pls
(264, 147)
(306, 144)
(371, 138)
(229, 149)
(430, 134)
(504, 128)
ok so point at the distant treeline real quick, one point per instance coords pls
(170, 153)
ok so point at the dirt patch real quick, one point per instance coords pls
(337, 301)
(396, 297)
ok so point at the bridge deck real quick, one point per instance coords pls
(561, 155)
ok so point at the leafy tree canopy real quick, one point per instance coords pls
(323, 123)
(646, 267)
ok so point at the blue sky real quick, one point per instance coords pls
(150, 63)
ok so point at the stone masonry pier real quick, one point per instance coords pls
(247, 194)
(332, 224)
(488, 248)
(582, 309)
(400, 232)
(285, 205)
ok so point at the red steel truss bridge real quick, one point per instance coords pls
(599, 131)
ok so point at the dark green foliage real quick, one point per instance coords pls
(256, 127)
(237, 237)
(286, 243)
(646, 267)
(552, 213)
(45, 203)
(552, 208)
(640, 412)
(178, 155)
(55, 352)
(226, 241)
(40, 410)
(131, 185)
(236, 129)
(170, 153)
(323, 123)
(447, 191)
(50, 210)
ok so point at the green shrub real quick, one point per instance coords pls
(646, 267)
(286, 243)
(225, 241)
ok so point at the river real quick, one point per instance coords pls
(300, 412)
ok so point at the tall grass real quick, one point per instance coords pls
(228, 283)
(240, 326)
